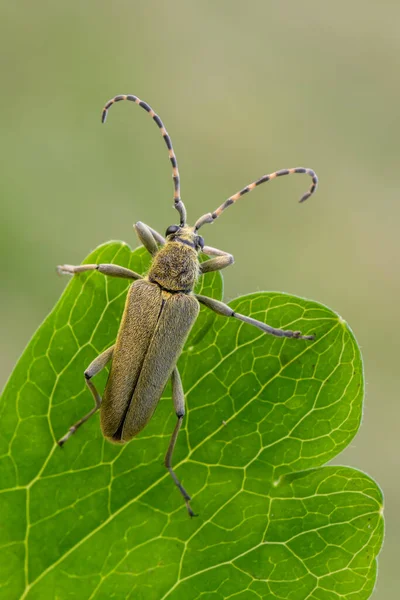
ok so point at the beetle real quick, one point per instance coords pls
(160, 310)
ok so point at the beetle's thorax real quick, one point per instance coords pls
(175, 267)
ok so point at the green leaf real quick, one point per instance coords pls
(94, 520)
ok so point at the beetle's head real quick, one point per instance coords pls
(185, 235)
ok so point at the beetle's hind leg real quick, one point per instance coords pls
(95, 367)
(178, 398)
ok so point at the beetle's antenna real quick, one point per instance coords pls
(210, 217)
(178, 204)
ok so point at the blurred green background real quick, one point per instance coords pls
(244, 88)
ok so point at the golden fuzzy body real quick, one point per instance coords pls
(159, 313)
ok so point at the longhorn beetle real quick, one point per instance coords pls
(160, 310)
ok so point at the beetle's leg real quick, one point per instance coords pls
(149, 237)
(223, 309)
(178, 398)
(222, 260)
(157, 236)
(95, 367)
(105, 269)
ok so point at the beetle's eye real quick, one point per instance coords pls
(200, 241)
(171, 229)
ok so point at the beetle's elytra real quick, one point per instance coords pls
(159, 313)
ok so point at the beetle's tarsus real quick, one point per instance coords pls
(190, 511)
(66, 437)
(64, 270)
(182, 490)
(298, 336)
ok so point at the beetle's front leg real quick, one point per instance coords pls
(95, 367)
(150, 238)
(106, 269)
(223, 309)
(178, 397)
(222, 260)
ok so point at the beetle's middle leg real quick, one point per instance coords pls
(178, 397)
(223, 309)
(95, 367)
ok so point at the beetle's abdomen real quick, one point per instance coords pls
(175, 267)
(153, 330)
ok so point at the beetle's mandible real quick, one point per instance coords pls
(160, 310)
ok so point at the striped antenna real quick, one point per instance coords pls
(210, 217)
(178, 204)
